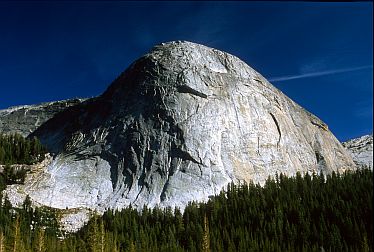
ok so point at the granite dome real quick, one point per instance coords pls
(178, 125)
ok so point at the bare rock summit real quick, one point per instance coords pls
(178, 125)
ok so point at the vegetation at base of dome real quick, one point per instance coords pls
(15, 149)
(27, 228)
(301, 213)
(12, 176)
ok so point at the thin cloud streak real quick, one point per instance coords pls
(321, 73)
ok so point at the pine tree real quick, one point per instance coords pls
(364, 245)
(2, 242)
(205, 247)
(102, 236)
(17, 236)
(132, 247)
(114, 245)
(40, 246)
(93, 235)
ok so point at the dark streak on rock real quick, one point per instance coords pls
(278, 128)
(187, 89)
(184, 155)
(322, 126)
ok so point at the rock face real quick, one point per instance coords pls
(178, 125)
(361, 150)
(25, 119)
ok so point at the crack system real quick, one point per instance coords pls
(278, 128)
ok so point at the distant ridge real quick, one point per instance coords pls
(361, 149)
(24, 119)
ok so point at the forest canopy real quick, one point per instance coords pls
(15, 149)
(301, 213)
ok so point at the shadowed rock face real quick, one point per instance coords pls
(178, 125)
(25, 119)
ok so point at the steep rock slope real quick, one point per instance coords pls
(25, 119)
(361, 149)
(178, 125)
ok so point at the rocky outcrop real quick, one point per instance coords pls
(70, 219)
(178, 125)
(361, 149)
(25, 119)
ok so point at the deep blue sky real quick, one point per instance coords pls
(319, 54)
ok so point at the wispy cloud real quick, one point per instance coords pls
(319, 73)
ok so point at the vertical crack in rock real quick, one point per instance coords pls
(236, 112)
(163, 191)
(278, 105)
(321, 162)
(278, 128)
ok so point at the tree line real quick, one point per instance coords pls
(27, 228)
(15, 149)
(301, 213)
